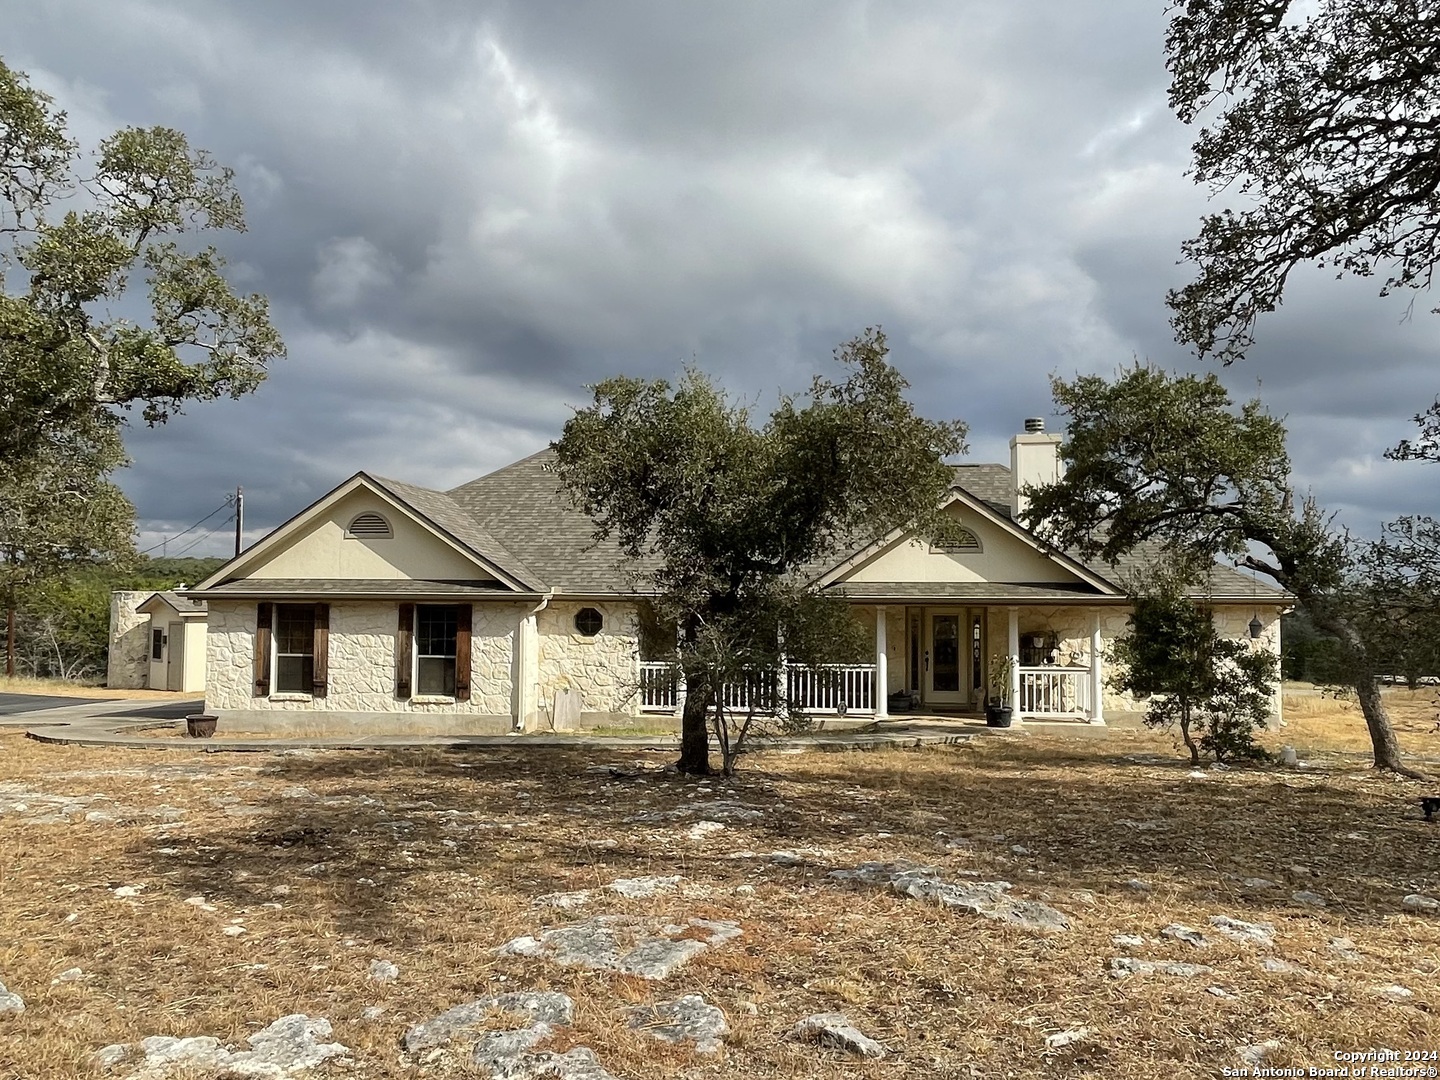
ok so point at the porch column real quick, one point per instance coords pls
(1097, 672)
(882, 668)
(1013, 644)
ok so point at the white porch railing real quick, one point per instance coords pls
(827, 688)
(1054, 691)
(659, 687)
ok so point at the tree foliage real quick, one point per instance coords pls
(1215, 691)
(1156, 459)
(63, 625)
(726, 516)
(1328, 127)
(107, 307)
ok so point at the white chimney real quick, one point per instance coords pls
(1034, 459)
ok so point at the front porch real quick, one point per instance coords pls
(938, 657)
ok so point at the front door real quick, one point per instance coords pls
(175, 657)
(947, 657)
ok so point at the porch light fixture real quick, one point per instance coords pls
(1256, 627)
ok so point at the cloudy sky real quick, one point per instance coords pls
(463, 212)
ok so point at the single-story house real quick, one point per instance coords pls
(157, 641)
(488, 607)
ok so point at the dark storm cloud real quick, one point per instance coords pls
(464, 212)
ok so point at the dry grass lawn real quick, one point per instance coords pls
(431, 860)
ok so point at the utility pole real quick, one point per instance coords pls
(239, 518)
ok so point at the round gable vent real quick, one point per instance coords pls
(369, 526)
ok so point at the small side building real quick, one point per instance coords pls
(157, 641)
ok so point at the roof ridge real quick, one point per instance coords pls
(547, 449)
(490, 548)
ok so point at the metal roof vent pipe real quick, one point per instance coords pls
(1034, 425)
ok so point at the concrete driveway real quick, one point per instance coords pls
(15, 704)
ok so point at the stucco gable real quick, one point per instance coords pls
(1003, 557)
(316, 543)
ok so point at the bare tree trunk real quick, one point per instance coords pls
(10, 636)
(1185, 734)
(1382, 736)
(1383, 743)
(694, 731)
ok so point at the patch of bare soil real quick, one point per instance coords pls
(211, 895)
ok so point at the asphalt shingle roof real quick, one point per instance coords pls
(518, 519)
(443, 511)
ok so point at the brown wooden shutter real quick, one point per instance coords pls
(404, 647)
(320, 680)
(262, 648)
(462, 652)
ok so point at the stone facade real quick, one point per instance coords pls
(362, 663)
(604, 670)
(128, 661)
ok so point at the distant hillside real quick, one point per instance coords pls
(62, 630)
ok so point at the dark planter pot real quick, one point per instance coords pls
(200, 726)
(998, 715)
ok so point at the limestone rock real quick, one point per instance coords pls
(383, 971)
(1257, 883)
(690, 1017)
(1129, 941)
(835, 1030)
(1256, 1054)
(539, 1007)
(1420, 902)
(1344, 948)
(1138, 885)
(1282, 967)
(73, 974)
(1065, 1038)
(987, 899)
(107, 1057)
(10, 1003)
(285, 1047)
(1246, 932)
(1121, 966)
(1309, 899)
(648, 948)
(1187, 934)
(642, 888)
(1394, 992)
(500, 1052)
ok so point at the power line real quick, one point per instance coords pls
(203, 536)
(228, 501)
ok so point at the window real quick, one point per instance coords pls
(294, 648)
(589, 621)
(157, 644)
(963, 541)
(435, 636)
(369, 526)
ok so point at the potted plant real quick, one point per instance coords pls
(200, 725)
(998, 709)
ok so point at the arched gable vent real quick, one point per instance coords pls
(369, 526)
(963, 541)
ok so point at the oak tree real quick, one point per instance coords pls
(110, 306)
(723, 516)
(1156, 458)
(1324, 118)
